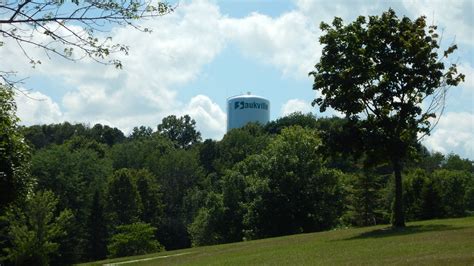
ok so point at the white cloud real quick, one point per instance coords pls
(296, 105)
(37, 108)
(468, 84)
(287, 42)
(454, 16)
(322, 10)
(158, 64)
(174, 55)
(210, 119)
(454, 133)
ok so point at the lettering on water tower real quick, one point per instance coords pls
(251, 105)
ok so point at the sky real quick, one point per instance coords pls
(207, 51)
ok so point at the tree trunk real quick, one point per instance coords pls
(398, 214)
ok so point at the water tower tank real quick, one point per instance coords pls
(246, 108)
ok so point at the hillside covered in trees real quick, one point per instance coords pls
(98, 193)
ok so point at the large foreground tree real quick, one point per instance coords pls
(15, 181)
(388, 76)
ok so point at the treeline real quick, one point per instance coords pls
(98, 193)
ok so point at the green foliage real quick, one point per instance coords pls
(141, 132)
(421, 196)
(178, 172)
(133, 196)
(40, 136)
(294, 119)
(133, 239)
(180, 130)
(284, 190)
(290, 190)
(15, 182)
(365, 199)
(336, 137)
(150, 198)
(97, 229)
(251, 184)
(239, 143)
(428, 161)
(33, 228)
(451, 186)
(454, 162)
(208, 154)
(73, 171)
(78, 143)
(441, 194)
(141, 152)
(469, 196)
(378, 73)
(107, 135)
(206, 229)
(123, 199)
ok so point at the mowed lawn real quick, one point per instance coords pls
(434, 242)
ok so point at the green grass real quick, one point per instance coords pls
(435, 242)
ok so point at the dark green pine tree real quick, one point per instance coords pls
(97, 246)
(365, 200)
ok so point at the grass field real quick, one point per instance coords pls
(435, 242)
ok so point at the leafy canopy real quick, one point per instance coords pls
(133, 239)
(182, 131)
(14, 152)
(34, 228)
(379, 71)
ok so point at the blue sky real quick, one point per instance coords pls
(207, 51)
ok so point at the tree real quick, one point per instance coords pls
(379, 73)
(454, 162)
(68, 28)
(177, 172)
(290, 188)
(239, 143)
(106, 134)
(133, 239)
(208, 153)
(140, 152)
(451, 186)
(141, 132)
(73, 171)
(123, 200)
(293, 119)
(97, 230)
(181, 130)
(206, 229)
(420, 198)
(33, 229)
(150, 197)
(15, 181)
(365, 199)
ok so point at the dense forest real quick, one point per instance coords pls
(97, 193)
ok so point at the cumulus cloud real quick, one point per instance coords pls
(454, 133)
(37, 108)
(146, 89)
(296, 105)
(468, 84)
(160, 64)
(322, 10)
(210, 119)
(288, 42)
(454, 16)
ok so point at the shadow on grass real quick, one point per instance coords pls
(414, 229)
